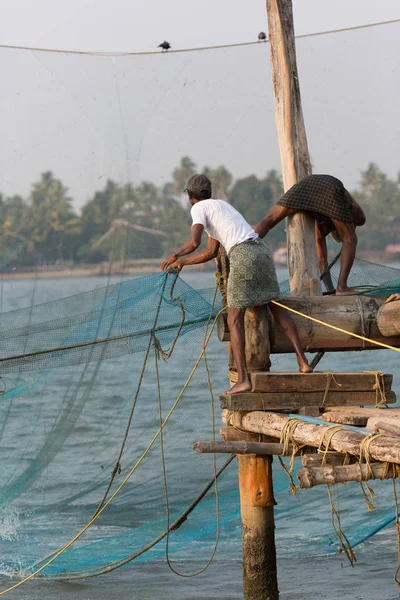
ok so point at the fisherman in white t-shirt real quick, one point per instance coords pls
(252, 277)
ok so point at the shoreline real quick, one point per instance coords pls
(144, 266)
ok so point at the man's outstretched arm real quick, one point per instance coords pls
(272, 218)
(189, 246)
(200, 257)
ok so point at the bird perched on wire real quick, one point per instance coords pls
(262, 37)
(165, 46)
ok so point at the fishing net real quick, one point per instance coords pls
(81, 373)
(88, 376)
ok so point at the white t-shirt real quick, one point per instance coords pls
(222, 222)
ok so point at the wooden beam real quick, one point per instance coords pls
(391, 428)
(388, 318)
(355, 314)
(248, 401)
(240, 447)
(230, 434)
(331, 474)
(317, 382)
(295, 158)
(385, 417)
(386, 449)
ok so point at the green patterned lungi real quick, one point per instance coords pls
(252, 277)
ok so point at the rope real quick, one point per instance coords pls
(117, 467)
(287, 439)
(326, 439)
(379, 387)
(187, 575)
(365, 456)
(201, 48)
(361, 311)
(356, 335)
(329, 378)
(345, 545)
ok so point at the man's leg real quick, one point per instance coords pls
(236, 328)
(290, 330)
(347, 232)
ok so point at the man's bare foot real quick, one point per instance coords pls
(240, 386)
(304, 367)
(347, 291)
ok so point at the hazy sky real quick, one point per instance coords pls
(89, 118)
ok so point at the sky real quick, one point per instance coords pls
(89, 118)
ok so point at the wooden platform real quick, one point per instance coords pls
(291, 391)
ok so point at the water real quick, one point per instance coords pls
(303, 527)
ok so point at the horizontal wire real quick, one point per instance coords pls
(201, 48)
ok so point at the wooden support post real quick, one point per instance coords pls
(302, 259)
(258, 528)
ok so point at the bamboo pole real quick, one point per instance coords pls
(302, 259)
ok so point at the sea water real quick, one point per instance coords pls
(305, 569)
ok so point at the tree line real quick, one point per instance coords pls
(146, 221)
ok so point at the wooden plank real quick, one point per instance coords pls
(293, 400)
(330, 475)
(241, 447)
(369, 412)
(317, 382)
(345, 418)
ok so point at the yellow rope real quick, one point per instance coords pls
(329, 378)
(345, 545)
(360, 337)
(168, 529)
(365, 456)
(326, 439)
(379, 387)
(287, 439)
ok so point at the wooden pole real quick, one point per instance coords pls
(258, 528)
(302, 259)
(331, 474)
(240, 447)
(384, 449)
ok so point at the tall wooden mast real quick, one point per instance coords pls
(295, 159)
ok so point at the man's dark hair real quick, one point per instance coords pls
(199, 187)
(203, 195)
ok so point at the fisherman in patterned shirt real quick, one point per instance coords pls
(335, 211)
(252, 277)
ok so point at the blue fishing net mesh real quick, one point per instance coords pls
(86, 361)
